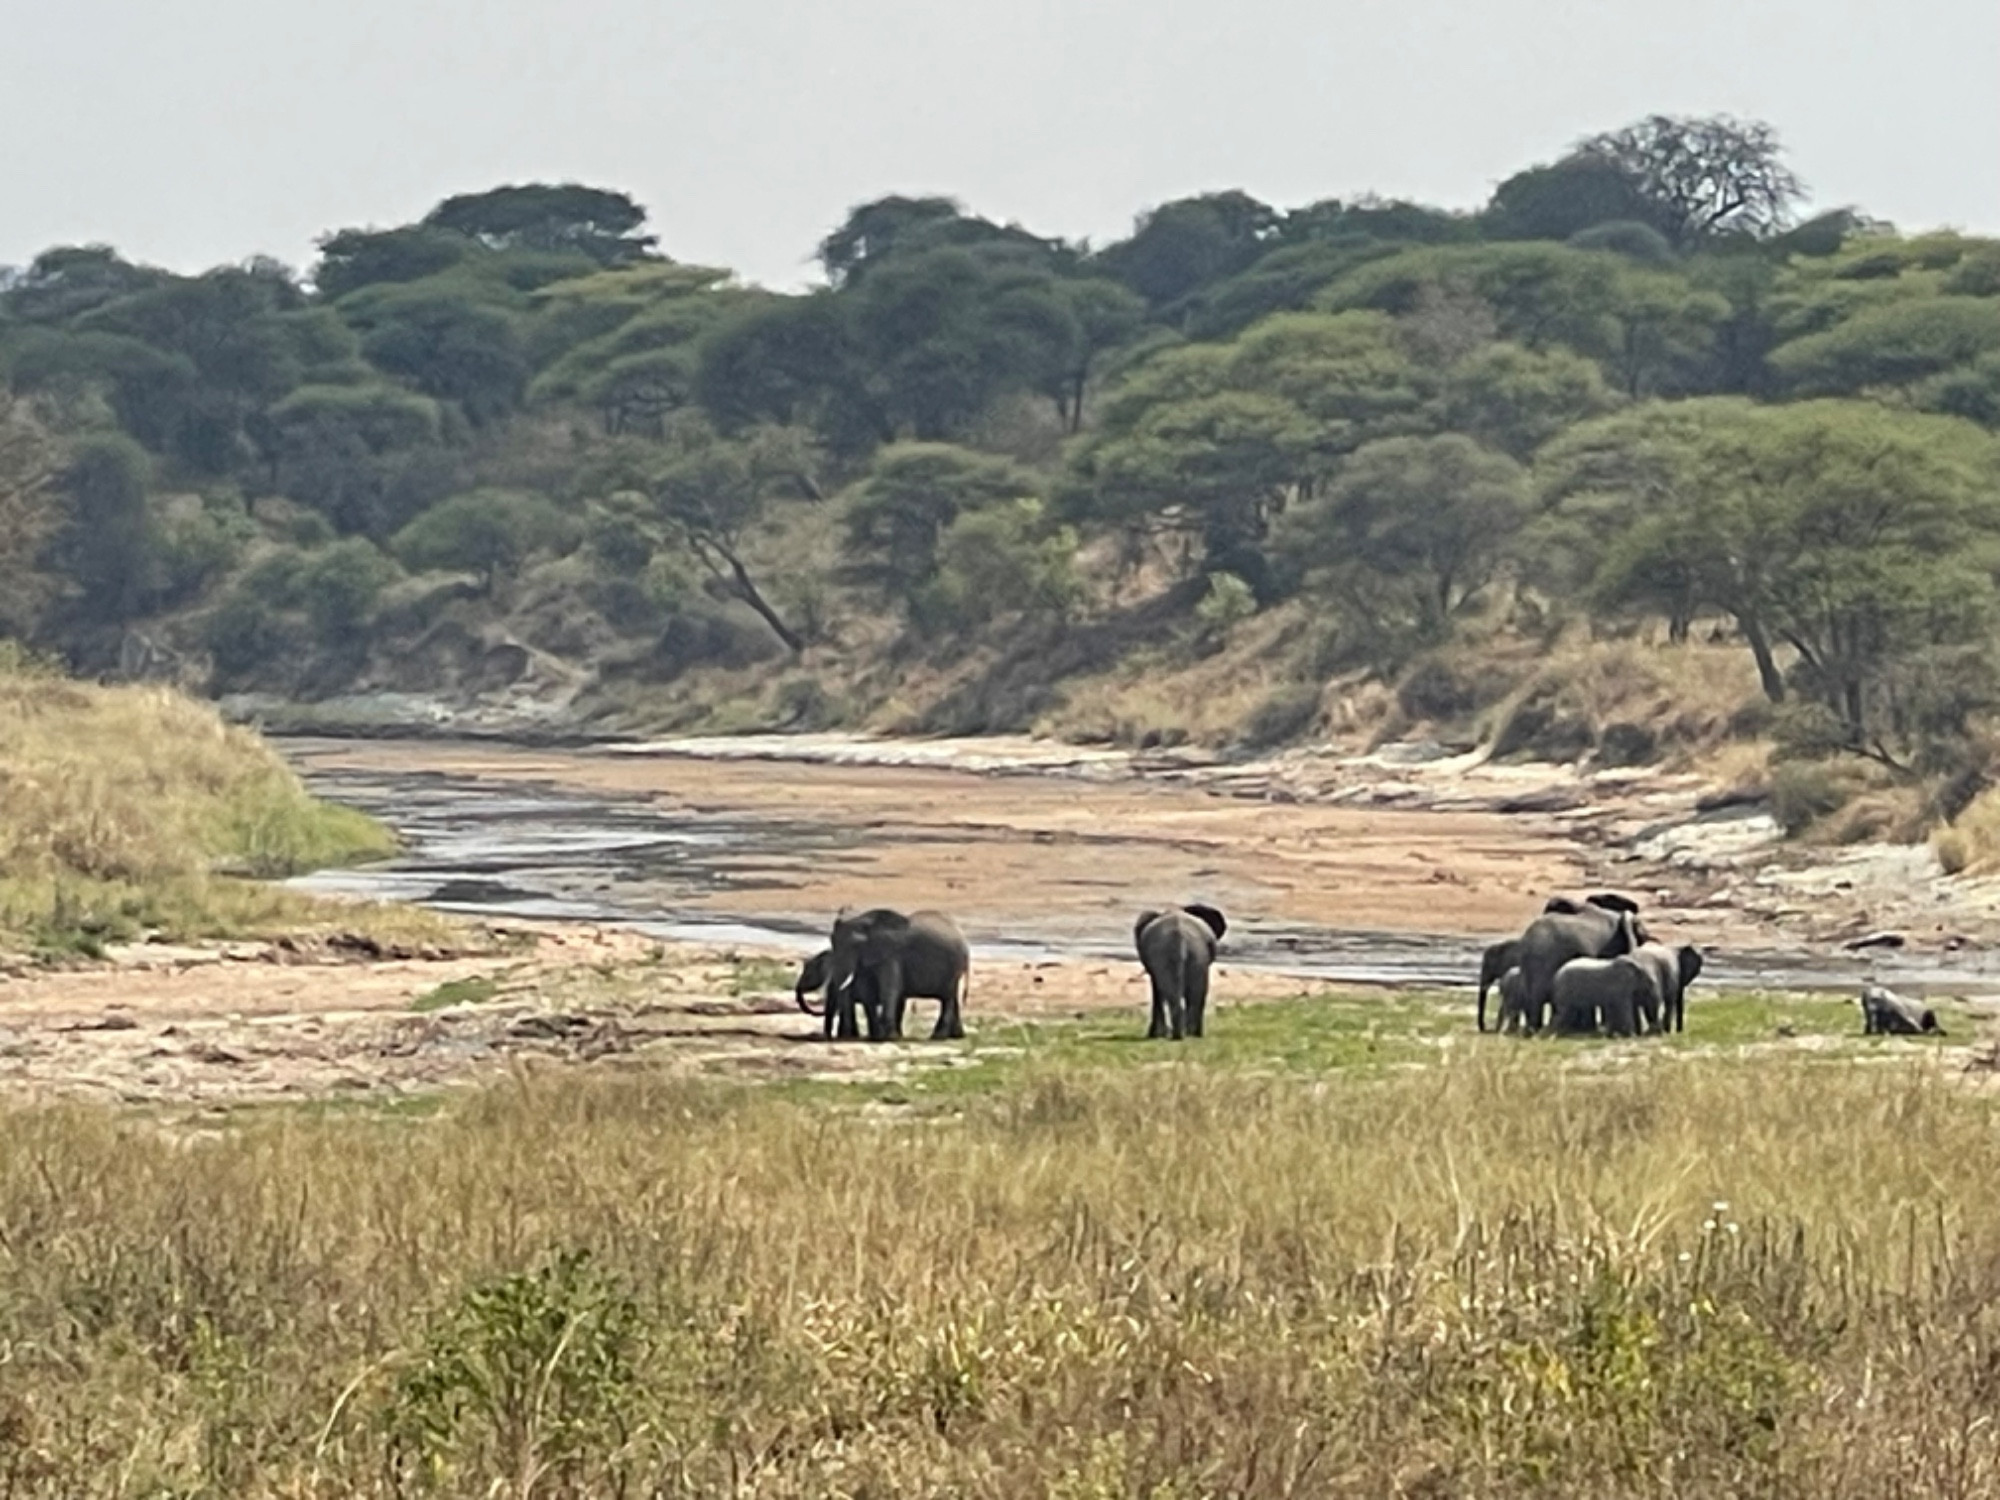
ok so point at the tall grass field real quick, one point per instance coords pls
(1499, 1273)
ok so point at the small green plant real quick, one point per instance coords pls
(1228, 602)
(474, 989)
(529, 1375)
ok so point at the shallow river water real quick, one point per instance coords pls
(507, 848)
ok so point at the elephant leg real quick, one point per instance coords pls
(951, 1021)
(1536, 1003)
(889, 994)
(1157, 1027)
(1197, 998)
(841, 1016)
(1176, 1010)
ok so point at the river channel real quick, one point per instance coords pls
(486, 836)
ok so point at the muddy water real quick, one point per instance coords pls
(509, 847)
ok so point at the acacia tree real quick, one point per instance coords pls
(1409, 529)
(709, 493)
(1703, 177)
(1861, 537)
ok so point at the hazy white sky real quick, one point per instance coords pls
(190, 132)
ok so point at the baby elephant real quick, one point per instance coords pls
(1886, 1013)
(1177, 947)
(1618, 990)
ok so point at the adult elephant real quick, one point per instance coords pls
(841, 1003)
(920, 956)
(1493, 965)
(1177, 948)
(1672, 971)
(1618, 992)
(1591, 930)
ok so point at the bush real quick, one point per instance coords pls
(196, 551)
(1285, 715)
(1434, 690)
(1803, 792)
(338, 585)
(110, 546)
(1228, 602)
(243, 633)
(999, 560)
(488, 532)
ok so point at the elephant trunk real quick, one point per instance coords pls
(806, 1005)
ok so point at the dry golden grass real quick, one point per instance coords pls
(1970, 844)
(1175, 695)
(1690, 698)
(124, 806)
(1496, 1276)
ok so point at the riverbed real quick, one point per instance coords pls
(1035, 860)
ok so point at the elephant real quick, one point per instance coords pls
(1618, 991)
(840, 1004)
(1554, 938)
(1673, 970)
(1495, 962)
(1511, 1017)
(1177, 947)
(1886, 1013)
(919, 956)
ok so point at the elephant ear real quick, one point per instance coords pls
(1146, 919)
(1690, 964)
(1561, 906)
(1217, 923)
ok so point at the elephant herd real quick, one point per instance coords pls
(1583, 966)
(876, 962)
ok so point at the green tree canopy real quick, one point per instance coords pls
(710, 493)
(556, 218)
(108, 546)
(897, 515)
(350, 259)
(1564, 198)
(1217, 439)
(1860, 537)
(488, 532)
(1894, 344)
(1182, 246)
(1408, 530)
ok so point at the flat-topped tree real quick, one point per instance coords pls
(596, 222)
